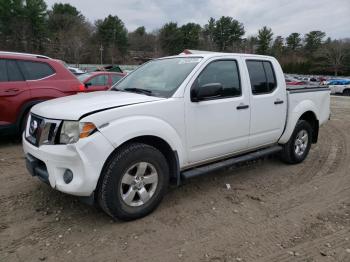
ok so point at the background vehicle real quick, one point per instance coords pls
(294, 82)
(26, 80)
(76, 71)
(99, 81)
(170, 120)
(112, 68)
(340, 86)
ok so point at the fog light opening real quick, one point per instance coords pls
(68, 176)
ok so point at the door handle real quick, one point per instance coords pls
(278, 102)
(241, 106)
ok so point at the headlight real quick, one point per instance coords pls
(71, 131)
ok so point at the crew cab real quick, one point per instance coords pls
(171, 119)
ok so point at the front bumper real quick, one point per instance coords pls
(85, 159)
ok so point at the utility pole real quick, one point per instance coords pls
(101, 52)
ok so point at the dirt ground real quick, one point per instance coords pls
(270, 212)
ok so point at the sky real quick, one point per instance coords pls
(283, 16)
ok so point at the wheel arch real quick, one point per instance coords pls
(309, 115)
(158, 143)
(311, 118)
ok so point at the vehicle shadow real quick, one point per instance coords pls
(10, 140)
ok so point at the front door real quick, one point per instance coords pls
(219, 125)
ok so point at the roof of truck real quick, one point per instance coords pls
(208, 54)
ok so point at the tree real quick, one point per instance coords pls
(170, 38)
(63, 16)
(333, 56)
(278, 47)
(112, 34)
(70, 33)
(227, 31)
(293, 41)
(313, 41)
(23, 24)
(141, 41)
(264, 40)
(190, 34)
(208, 34)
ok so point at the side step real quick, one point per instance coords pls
(202, 170)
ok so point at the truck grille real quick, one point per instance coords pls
(41, 131)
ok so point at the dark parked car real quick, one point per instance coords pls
(27, 79)
(99, 81)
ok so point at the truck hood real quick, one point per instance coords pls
(76, 106)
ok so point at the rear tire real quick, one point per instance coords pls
(134, 182)
(346, 92)
(297, 148)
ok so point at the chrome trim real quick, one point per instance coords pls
(34, 80)
(46, 132)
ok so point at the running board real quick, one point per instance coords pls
(202, 170)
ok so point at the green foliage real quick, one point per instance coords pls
(63, 17)
(141, 31)
(313, 41)
(23, 24)
(170, 39)
(190, 34)
(293, 41)
(226, 32)
(64, 33)
(278, 47)
(112, 33)
(264, 40)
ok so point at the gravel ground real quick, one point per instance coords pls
(261, 211)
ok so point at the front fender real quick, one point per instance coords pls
(294, 115)
(127, 128)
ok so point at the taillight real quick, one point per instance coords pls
(81, 88)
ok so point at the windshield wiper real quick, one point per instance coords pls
(138, 90)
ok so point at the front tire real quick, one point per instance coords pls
(297, 148)
(134, 182)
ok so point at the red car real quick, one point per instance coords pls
(27, 79)
(99, 81)
(292, 82)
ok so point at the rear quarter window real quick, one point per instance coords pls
(35, 70)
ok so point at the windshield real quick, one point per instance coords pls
(159, 77)
(83, 77)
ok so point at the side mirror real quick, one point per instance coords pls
(205, 92)
(87, 84)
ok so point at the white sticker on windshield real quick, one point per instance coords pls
(189, 60)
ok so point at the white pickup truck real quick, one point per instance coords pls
(171, 119)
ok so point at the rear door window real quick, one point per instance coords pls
(262, 77)
(3, 71)
(35, 70)
(13, 71)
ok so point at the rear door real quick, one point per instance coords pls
(268, 102)
(14, 91)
